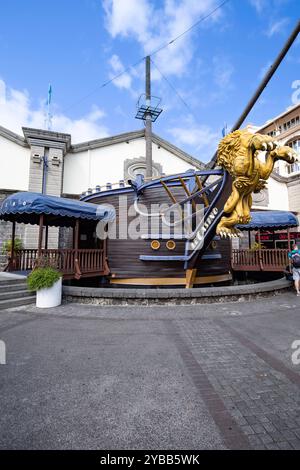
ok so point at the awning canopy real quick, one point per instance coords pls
(26, 207)
(270, 220)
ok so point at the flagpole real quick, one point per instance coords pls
(48, 107)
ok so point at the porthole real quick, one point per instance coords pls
(171, 245)
(155, 245)
(213, 245)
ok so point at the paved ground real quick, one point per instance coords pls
(194, 377)
(10, 276)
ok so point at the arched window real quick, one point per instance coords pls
(136, 166)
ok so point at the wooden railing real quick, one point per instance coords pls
(259, 260)
(71, 262)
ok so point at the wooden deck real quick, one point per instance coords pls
(71, 263)
(259, 260)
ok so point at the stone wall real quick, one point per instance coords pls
(53, 186)
(6, 230)
(65, 237)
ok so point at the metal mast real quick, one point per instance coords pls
(48, 115)
(148, 121)
(269, 74)
(148, 111)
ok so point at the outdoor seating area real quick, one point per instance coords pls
(46, 211)
(260, 257)
(259, 260)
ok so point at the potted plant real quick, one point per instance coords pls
(47, 283)
(256, 246)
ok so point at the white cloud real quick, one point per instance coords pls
(223, 71)
(124, 81)
(16, 111)
(127, 18)
(277, 27)
(259, 5)
(154, 26)
(201, 138)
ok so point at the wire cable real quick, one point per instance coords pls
(194, 25)
(174, 89)
(163, 46)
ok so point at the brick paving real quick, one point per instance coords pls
(259, 392)
(181, 377)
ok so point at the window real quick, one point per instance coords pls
(295, 144)
(295, 167)
(137, 166)
(293, 122)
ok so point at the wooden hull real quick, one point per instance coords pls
(209, 265)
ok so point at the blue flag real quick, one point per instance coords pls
(224, 130)
(49, 94)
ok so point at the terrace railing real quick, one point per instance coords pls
(70, 262)
(259, 260)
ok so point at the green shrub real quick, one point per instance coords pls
(42, 278)
(6, 247)
(256, 246)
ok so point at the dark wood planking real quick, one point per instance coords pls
(220, 205)
(123, 255)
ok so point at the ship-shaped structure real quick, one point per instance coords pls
(195, 255)
(185, 240)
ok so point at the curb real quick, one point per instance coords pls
(199, 295)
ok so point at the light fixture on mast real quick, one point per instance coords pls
(148, 110)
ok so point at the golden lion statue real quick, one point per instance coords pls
(238, 154)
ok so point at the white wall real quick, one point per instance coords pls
(278, 195)
(99, 166)
(14, 165)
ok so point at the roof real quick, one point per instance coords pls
(26, 207)
(284, 113)
(133, 135)
(270, 219)
(61, 140)
(13, 137)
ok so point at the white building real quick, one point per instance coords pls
(283, 192)
(45, 161)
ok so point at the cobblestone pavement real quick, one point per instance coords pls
(187, 377)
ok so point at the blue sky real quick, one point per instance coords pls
(79, 44)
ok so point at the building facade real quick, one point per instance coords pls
(283, 190)
(46, 161)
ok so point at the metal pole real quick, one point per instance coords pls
(41, 225)
(289, 238)
(262, 85)
(148, 121)
(46, 237)
(259, 250)
(76, 244)
(12, 255)
(45, 170)
(76, 237)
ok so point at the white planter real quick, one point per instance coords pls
(51, 297)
